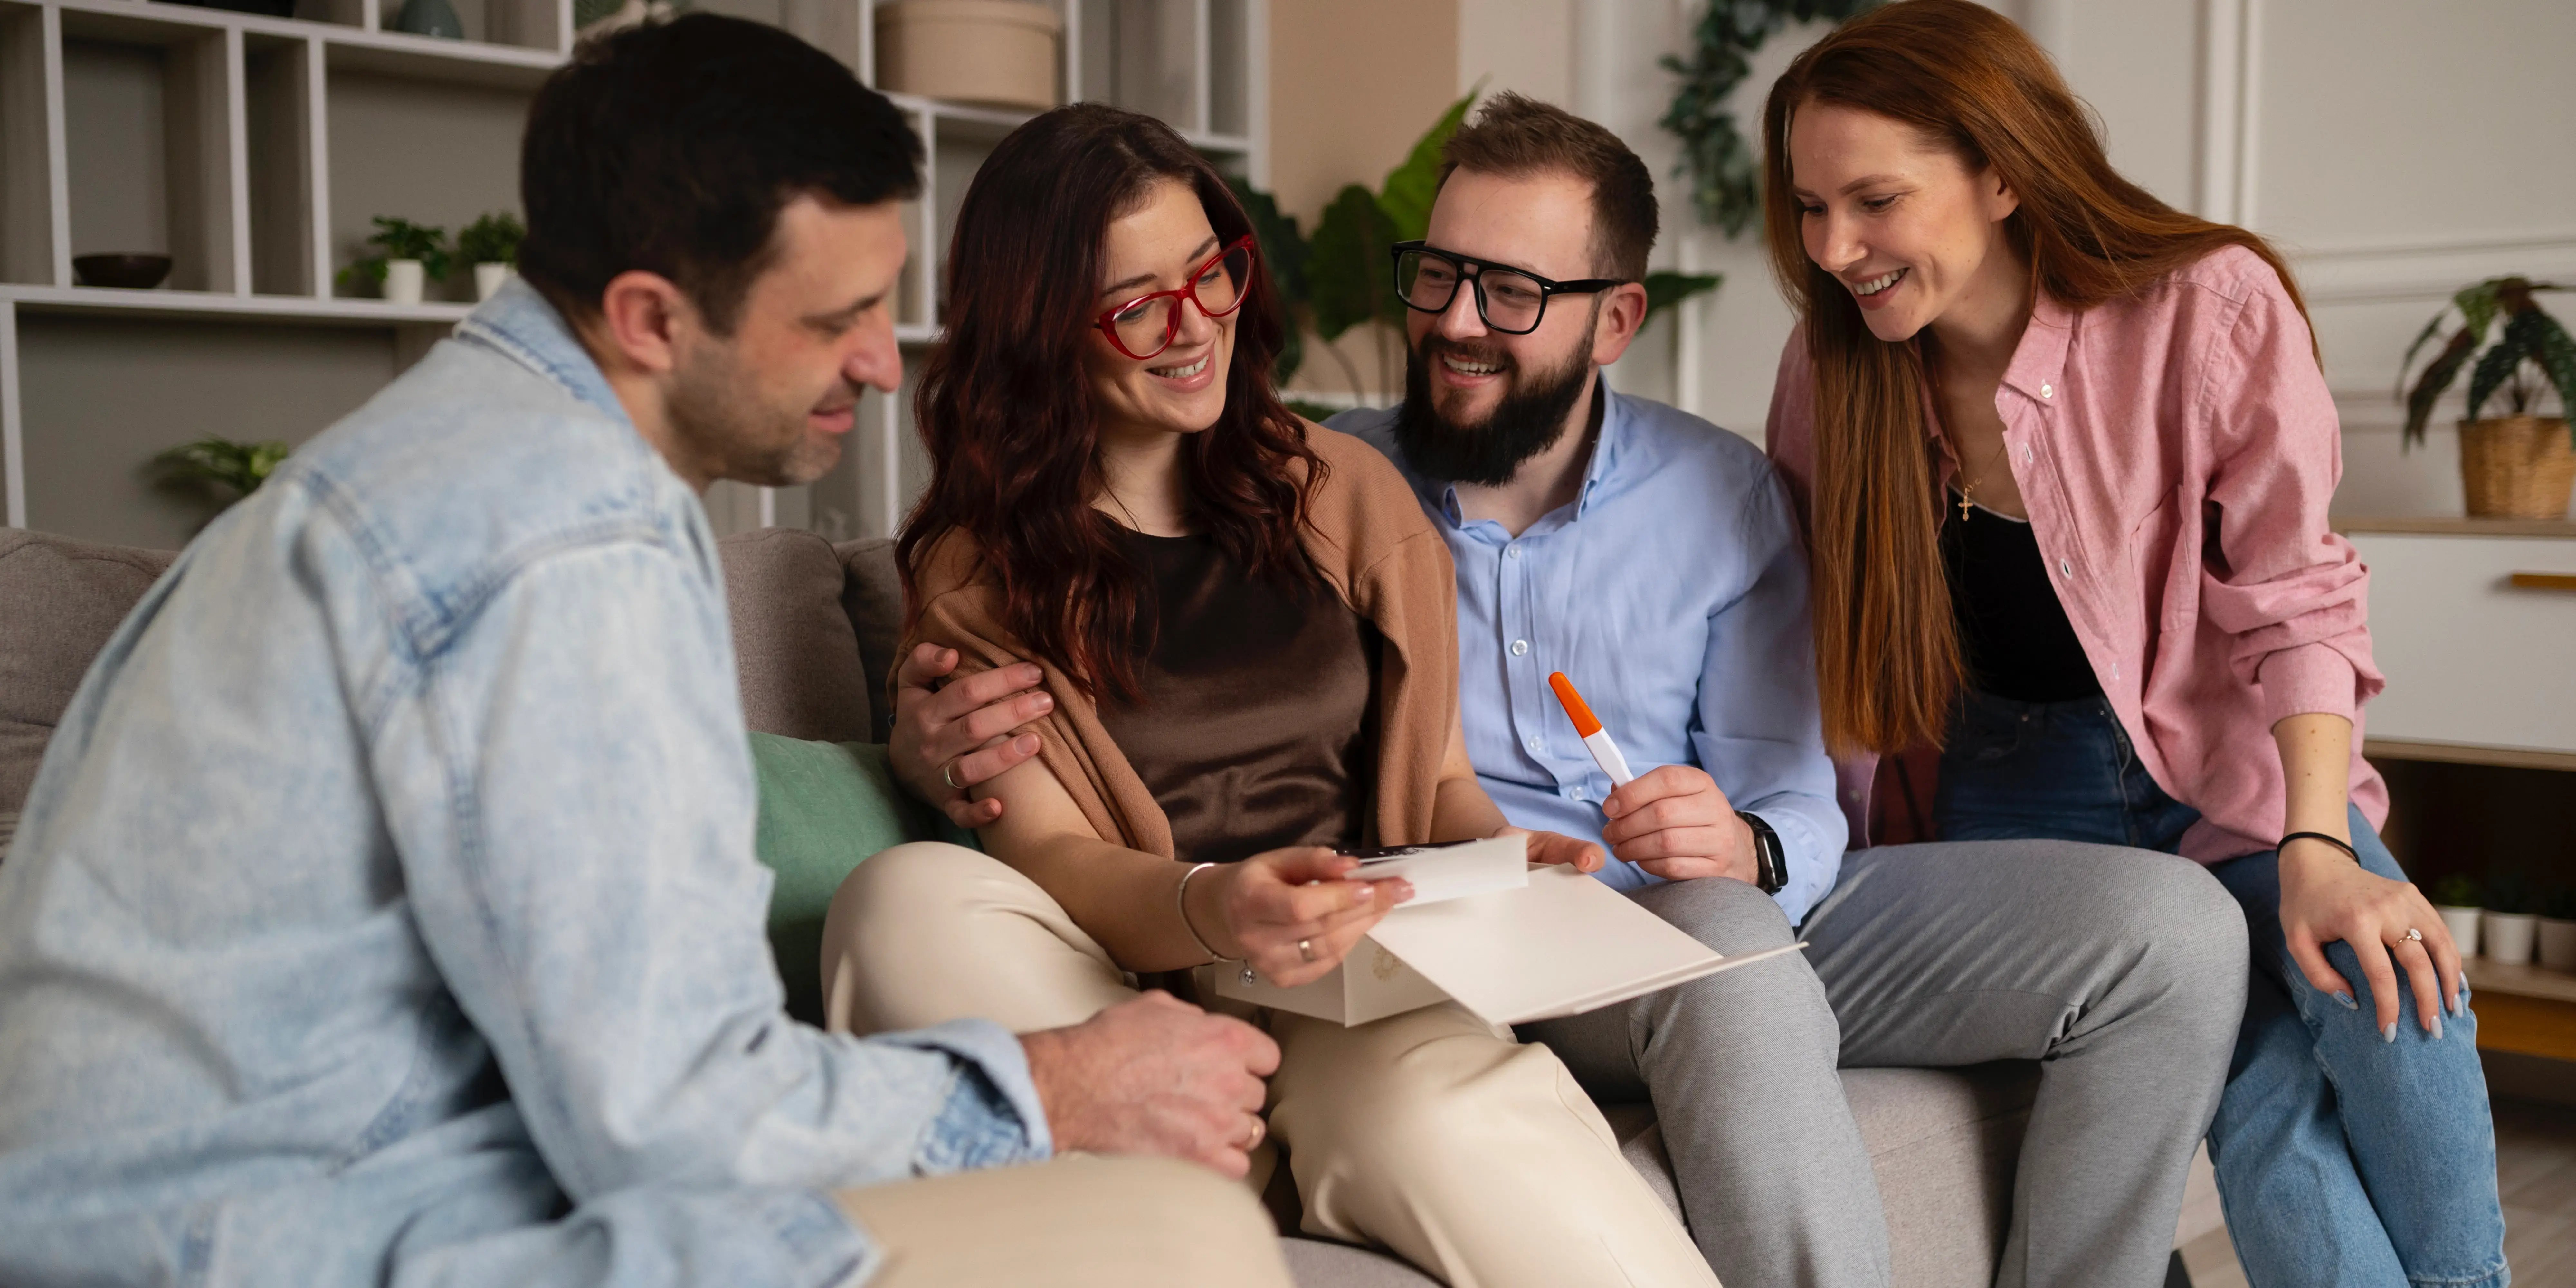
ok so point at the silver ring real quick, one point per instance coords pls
(1248, 976)
(1306, 949)
(947, 775)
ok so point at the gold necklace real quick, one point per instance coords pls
(1968, 490)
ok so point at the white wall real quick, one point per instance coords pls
(2396, 150)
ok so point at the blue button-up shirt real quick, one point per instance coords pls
(385, 908)
(1673, 592)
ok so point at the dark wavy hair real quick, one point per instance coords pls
(1005, 409)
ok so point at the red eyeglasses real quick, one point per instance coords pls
(1145, 326)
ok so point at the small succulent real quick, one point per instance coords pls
(402, 239)
(492, 239)
(2533, 353)
(242, 467)
(2458, 890)
(2508, 893)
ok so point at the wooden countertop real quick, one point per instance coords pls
(2444, 526)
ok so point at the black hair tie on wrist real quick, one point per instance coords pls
(2346, 847)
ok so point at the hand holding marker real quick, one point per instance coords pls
(1596, 739)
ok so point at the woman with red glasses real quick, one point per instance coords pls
(1248, 635)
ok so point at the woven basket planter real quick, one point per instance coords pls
(2517, 467)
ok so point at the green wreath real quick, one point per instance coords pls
(1726, 180)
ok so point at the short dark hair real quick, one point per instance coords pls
(671, 147)
(1513, 137)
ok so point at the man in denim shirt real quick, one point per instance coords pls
(385, 909)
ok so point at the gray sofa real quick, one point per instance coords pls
(815, 630)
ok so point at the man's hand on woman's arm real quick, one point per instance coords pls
(1674, 822)
(961, 730)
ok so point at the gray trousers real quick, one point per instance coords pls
(2121, 971)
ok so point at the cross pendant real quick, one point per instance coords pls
(1963, 507)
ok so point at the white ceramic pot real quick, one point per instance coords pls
(2558, 943)
(2463, 924)
(2508, 936)
(403, 281)
(488, 278)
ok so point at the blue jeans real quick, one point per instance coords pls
(2343, 1158)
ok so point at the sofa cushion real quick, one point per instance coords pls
(794, 654)
(60, 600)
(824, 808)
(872, 598)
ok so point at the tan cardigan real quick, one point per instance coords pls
(1368, 537)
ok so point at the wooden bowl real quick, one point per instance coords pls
(122, 272)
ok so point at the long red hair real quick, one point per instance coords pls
(1888, 663)
(1004, 406)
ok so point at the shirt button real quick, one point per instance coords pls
(1574, 793)
(1537, 743)
(1511, 552)
(1520, 648)
(2046, 392)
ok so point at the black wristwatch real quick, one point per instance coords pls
(1771, 861)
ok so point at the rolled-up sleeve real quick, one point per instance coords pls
(575, 808)
(2291, 594)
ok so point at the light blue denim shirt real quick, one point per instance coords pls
(385, 908)
(1673, 592)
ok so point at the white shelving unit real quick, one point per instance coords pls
(254, 150)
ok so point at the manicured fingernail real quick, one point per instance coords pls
(1044, 702)
(2346, 999)
(1026, 744)
(1403, 891)
(2437, 1028)
(2389, 1034)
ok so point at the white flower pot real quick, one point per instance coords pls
(2508, 936)
(2463, 924)
(403, 281)
(2558, 943)
(488, 278)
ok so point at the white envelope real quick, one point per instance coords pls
(1451, 869)
(1561, 944)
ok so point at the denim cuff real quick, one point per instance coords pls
(993, 1115)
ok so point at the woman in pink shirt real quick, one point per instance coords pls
(2064, 454)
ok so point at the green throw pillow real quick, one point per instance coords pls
(824, 808)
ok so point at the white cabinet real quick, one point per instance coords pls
(2473, 622)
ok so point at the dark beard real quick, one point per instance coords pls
(1527, 421)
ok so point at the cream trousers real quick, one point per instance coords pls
(1076, 1222)
(1472, 1156)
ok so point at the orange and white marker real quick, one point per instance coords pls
(1596, 739)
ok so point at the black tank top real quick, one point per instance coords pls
(2014, 632)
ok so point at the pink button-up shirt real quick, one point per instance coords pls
(2177, 450)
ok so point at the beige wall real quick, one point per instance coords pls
(1352, 84)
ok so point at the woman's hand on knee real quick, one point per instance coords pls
(1292, 913)
(1155, 1076)
(2325, 896)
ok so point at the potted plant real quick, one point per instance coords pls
(221, 463)
(2558, 929)
(491, 245)
(2508, 924)
(2521, 465)
(2456, 898)
(413, 255)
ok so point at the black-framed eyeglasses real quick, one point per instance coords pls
(1510, 300)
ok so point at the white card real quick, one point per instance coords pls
(1449, 870)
